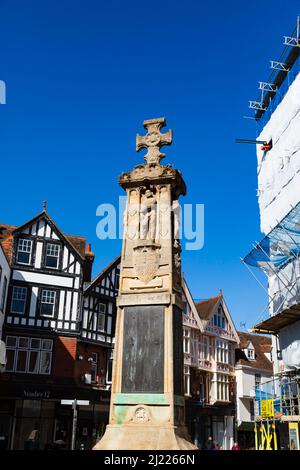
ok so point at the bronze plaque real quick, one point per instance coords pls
(143, 349)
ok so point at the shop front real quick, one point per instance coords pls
(34, 418)
(215, 422)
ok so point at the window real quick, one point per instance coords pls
(101, 317)
(257, 381)
(94, 367)
(28, 355)
(186, 340)
(187, 380)
(3, 295)
(47, 302)
(52, 255)
(222, 351)
(219, 319)
(222, 387)
(24, 251)
(250, 354)
(18, 301)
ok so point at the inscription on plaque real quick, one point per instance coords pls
(143, 349)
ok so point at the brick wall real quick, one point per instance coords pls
(83, 366)
(64, 357)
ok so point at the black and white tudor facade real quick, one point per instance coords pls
(46, 278)
(58, 329)
(99, 305)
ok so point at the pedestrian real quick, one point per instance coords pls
(235, 446)
(209, 444)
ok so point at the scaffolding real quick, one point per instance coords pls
(276, 401)
(284, 70)
(272, 255)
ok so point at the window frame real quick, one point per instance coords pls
(222, 351)
(186, 340)
(103, 315)
(40, 296)
(187, 380)
(220, 320)
(250, 354)
(59, 257)
(17, 250)
(12, 299)
(222, 387)
(28, 350)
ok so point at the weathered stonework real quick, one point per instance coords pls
(147, 404)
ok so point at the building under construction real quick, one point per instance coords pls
(277, 112)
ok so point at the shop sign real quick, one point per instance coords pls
(35, 395)
(267, 408)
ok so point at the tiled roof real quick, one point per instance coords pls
(205, 307)
(6, 239)
(78, 243)
(261, 344)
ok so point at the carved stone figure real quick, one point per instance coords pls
(148, 216)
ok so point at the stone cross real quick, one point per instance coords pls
(154, 140)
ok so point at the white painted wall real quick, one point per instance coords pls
(40, 278)
(245, 385)
(279, 169)
(5, 273)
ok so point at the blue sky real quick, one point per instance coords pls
(81, 77)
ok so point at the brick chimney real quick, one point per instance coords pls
(88, 263)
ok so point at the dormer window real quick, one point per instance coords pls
(24, 250)
(52, 255)
(250, 354)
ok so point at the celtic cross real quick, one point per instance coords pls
(153, 140)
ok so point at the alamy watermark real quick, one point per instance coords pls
(151, 221)
(2, 92)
